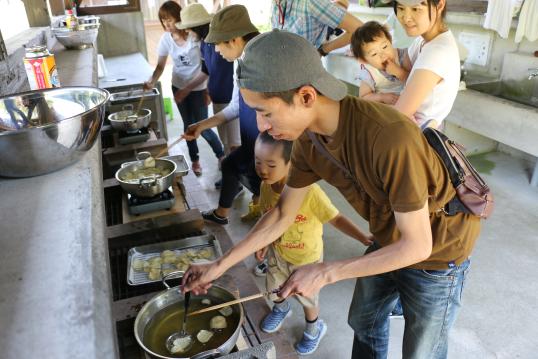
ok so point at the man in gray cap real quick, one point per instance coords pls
(384, 167)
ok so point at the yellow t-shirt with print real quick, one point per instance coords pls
(302, 243)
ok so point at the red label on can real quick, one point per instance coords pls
(37, 66)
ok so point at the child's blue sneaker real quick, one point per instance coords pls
(273, 321)
(309, 344)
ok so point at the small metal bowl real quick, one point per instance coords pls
(126, 120)
(45, 130)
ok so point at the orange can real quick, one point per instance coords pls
(40, 68)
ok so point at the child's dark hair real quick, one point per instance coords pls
(265, 137)
(170, 9)
(201, 30)
(430, 4)
(366, 34)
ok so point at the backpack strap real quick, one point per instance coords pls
(321, 149)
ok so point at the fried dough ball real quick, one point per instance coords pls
(204, 336)
(218, 322)
(138, 265)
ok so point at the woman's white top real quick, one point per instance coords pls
(441, 57)
(187, 60)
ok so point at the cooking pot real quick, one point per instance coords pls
(147, 187)
(122, 122)
(168, 304)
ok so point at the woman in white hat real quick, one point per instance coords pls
(215, 69)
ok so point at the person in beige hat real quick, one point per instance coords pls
(230, 30)
(217, 71)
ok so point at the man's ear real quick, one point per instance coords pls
(307, 95)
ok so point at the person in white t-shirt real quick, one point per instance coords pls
(185, 53)
(432, 85)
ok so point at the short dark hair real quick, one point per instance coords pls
(365, 34)
(266, 138)
(170, 8)
(286, 96)
(430, 4)
(250, 36)
(201, 30)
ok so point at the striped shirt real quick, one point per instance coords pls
(307, 18)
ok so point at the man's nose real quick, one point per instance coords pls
(263, 125)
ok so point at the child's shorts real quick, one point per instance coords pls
(278, 271)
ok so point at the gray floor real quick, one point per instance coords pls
(498, 319)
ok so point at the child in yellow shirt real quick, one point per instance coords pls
(301, 244)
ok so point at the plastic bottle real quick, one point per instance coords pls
(70, 20)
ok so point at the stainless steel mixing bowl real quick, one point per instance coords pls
(83, 36)
(76, 39)
(44, 130)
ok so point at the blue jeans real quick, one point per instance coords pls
(193, 110)
(238, 167)
(430, 299)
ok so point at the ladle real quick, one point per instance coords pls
(182, 333)
(135, 114)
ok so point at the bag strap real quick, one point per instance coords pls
(321, 149)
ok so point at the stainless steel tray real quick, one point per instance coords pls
(180, 246)
(133, 94)
(182, 167)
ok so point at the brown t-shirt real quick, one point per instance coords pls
(397, 170)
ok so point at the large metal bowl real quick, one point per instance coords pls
(45, 130)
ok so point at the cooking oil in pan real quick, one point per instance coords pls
(168, 321)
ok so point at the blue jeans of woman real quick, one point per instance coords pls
(193, 110)
(430, 299)
(238, 167)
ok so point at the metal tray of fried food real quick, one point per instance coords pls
(142, 260)
(182, 167)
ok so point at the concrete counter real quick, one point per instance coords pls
(54, 279)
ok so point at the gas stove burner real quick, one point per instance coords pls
(127, 137)
(140, 205)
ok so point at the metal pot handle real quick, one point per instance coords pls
(172, 274)
(131, 119)
(147, 182)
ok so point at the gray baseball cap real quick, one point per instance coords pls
(280, 61)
